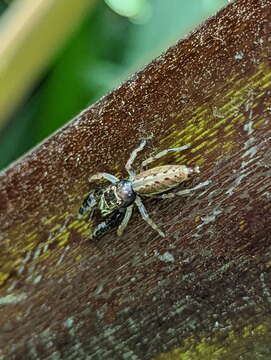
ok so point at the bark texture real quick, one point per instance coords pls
(203, 292)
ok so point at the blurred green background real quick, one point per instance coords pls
(115, 39)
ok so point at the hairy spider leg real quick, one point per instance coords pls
(161, 154)
(103, 175)
(125, 220)
(181, 192)
(132, 157)
(146, 216)
(172, 194)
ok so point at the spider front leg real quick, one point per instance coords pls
(146, 216)
(161, 154)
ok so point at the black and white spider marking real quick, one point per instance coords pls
(116, 201)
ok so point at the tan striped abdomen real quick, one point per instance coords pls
(160, 179)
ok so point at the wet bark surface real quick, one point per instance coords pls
(204, 291)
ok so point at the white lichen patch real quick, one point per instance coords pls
(167, 257)
(209, 218)
(12, 299)
(68, 322)
(239, 55)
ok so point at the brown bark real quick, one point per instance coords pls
(204, 291)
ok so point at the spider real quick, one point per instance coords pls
(116, 201)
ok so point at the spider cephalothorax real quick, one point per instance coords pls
(116, 201)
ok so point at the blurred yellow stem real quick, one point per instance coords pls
(31, 31)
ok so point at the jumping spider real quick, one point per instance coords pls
(116, 201)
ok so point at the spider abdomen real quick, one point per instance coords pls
(160, 179)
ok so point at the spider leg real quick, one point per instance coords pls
(181, 192)
(103, 175)
(161, 154)
(146, 216)
(132, 157)
(172, 194)
(125, 220)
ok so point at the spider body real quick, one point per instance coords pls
(160, 179)
(116, 201)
